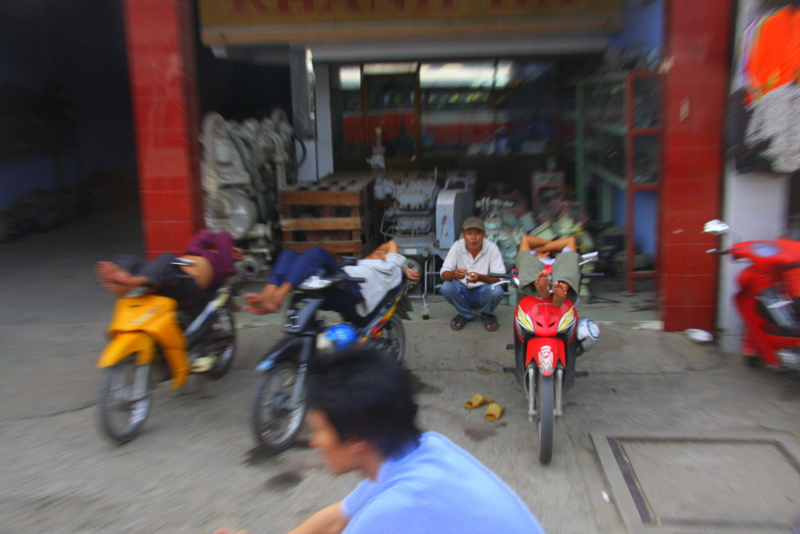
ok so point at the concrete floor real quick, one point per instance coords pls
(701, 443)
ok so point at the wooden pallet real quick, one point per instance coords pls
(337, 213)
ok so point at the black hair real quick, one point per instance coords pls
(366, 394)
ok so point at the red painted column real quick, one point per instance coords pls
(697, 56)
(161, 61)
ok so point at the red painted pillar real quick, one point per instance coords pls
(161, 61)
(697, 59)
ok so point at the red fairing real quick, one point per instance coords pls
(547, 352)
(544, 348)
(773, 263)
(770, 260)
(543, 314)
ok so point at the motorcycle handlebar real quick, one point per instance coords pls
(718, 251)
(323, 282)
(344, 277)
(502, 276)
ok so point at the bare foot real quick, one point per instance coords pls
(260, 304)
(560, 290)
(542, 284)
(106, 274)
(105, 269)
(117, 280)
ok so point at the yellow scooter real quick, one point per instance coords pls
(148, 342)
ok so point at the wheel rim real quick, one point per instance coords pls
(128, 400)
(416, 265)
(395, 337)
(222, 331)
(278, 418)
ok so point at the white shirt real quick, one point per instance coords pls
(379, 277)
(488, 260)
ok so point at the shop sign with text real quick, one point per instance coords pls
(274, 12)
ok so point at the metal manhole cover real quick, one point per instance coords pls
(702, 482)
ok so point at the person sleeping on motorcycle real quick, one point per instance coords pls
(382, 270)
(535, 253)
(212, 255)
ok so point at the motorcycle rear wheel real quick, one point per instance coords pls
(544, 423)
(395, 334)
(221, 340)
(125, 399)
(276, 418)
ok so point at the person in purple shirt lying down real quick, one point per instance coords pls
(362, 418)
(212, 256)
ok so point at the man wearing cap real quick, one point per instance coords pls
(465, 276)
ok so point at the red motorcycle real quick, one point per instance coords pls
(547, 340)
(768, 298)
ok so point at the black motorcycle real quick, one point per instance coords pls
(280, 401)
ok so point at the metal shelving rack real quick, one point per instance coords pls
(626, 109)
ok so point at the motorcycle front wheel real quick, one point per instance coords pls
(395, 334)
(280, 406)
(544, 423)
(125, 399)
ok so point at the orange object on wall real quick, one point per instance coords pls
(775, 53)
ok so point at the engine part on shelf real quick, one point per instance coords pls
(425, 220)
(453, 206)
(502, 227)
(243, 166)
(421, 209)
(412, 213)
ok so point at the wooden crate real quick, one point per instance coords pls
(351, 229)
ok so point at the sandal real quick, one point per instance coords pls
(489, 321)
(458, 322)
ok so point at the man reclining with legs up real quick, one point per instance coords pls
(534, 254)
(382, 270)
(212, 255)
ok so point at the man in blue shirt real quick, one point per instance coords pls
(362, 416)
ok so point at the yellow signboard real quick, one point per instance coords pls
(241, 13)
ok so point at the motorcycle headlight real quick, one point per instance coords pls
(524, 322)
(567, 320)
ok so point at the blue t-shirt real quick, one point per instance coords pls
(436, 488)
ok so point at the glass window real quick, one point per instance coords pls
(469, 74)
(390, 68)
(392, 112)
(348, 123)
(465, 108)
(349, 78)
(526, 105)
(457, 106)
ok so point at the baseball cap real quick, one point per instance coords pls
(474, 222)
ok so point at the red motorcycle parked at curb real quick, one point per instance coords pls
(768, 298)
(547, 340)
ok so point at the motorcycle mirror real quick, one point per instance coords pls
(589, 257)
(716, 227)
